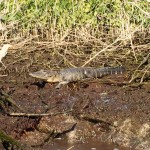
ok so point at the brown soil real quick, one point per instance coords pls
(92, 111)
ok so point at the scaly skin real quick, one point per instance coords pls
(74, 74)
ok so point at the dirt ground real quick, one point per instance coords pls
(89, 114)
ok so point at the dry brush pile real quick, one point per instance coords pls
(79, 33)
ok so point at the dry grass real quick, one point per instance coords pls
(122, 41)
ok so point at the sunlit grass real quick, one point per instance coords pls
(113, 29)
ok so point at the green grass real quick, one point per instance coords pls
(35, 14)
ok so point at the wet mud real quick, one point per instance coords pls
(99, 113)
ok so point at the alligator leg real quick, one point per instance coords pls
(61, 83)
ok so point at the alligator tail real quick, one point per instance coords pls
(100, 72)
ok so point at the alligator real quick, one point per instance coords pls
(68, 75)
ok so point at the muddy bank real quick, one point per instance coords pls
(88, 114)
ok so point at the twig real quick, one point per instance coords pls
(134, 76)
(144, 61)
(144, 12)
(146, 71)
(36, 115)
(65, 59)
(70, 147)
(103, 50)
(5, 75)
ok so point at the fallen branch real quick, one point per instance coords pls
(103, 50)
(36, 115)
(5, 75)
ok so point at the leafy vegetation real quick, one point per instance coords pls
(69, 14)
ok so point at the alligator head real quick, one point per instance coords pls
(48, 75)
